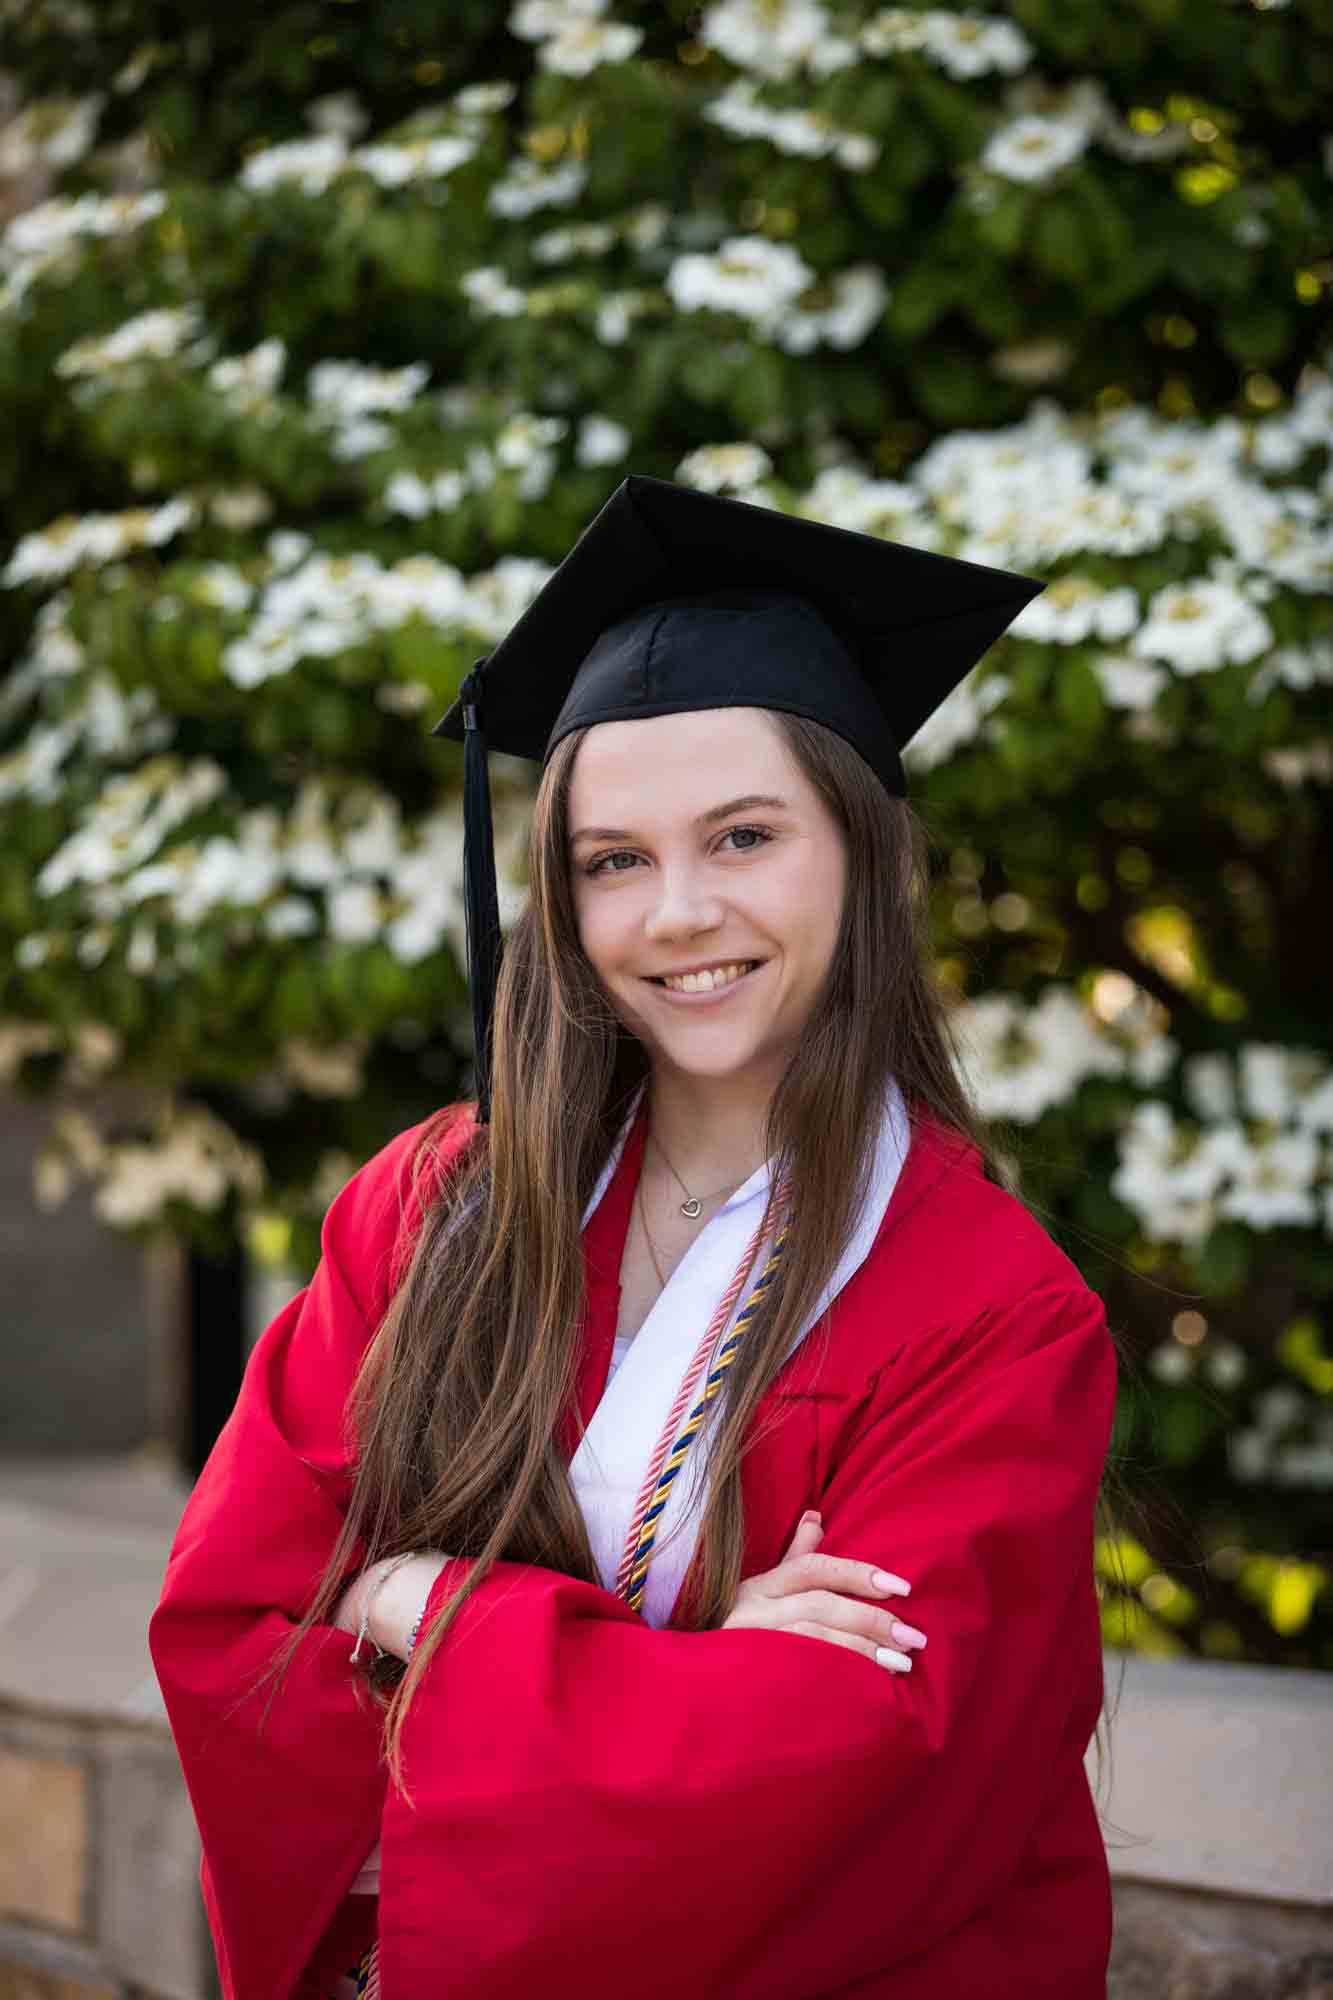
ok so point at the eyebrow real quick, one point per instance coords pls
(702, 819)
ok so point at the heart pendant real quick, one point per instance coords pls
(692, 1207)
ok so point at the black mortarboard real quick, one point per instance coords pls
(673, 599)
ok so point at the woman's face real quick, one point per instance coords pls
(696, 840)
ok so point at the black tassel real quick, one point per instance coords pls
(481, 903)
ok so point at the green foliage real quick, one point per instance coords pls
(377, 389)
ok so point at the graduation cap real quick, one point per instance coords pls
(674, 599)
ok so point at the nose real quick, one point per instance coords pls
(682, 905)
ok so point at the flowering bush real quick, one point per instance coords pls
(320, 350)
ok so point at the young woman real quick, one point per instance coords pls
(624, 1423)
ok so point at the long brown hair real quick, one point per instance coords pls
(456, 1407)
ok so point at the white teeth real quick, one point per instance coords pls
(706, 982)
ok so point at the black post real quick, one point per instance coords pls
(216, 1295)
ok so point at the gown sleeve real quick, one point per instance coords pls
(286, 1813)
(597, 1805)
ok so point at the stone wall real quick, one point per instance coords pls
(109, 1383)
(99, 1894)
(99, 1898)
(1216, 1806)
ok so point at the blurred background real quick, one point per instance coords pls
(324, 330)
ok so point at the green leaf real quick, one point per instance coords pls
(922, 296)
(1003, 225)
(1078, 693)
(1256, 333)
(1059, 241)
(1222, 1262)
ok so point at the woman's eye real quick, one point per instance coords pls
(757, 831)
(601, 865)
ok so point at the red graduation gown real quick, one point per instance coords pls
(600, 1807)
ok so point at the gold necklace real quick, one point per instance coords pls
(693, 1204)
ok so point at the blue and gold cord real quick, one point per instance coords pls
(638, 1575)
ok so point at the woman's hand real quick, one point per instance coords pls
(821, 1596)
(394, 1608)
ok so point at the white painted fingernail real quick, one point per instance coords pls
(900, 1662)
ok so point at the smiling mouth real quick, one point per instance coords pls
(748, 966)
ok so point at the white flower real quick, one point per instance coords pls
(957, 720)
(408, 494)
(290, 916)
(1033, 148)
(523, 437)
(50, 133)
(1304, 1465)
(1073, 608)
(1278, 534)
(1171, 1362)
(46, 229)
(1278, 1408)
(534, 20)
(94, 539)
(601, 441)
(715, 468)
(529, 185)
(1129, 683)
(1275, 1080)
(580, 46)
(197, 1160)
(155, 336)
(1199, 626)
(1224, 1363)
(497, 597)
(892, 31)
(859, 298)
(739, 109)
(774, 37)
(310, 164)
(1183, 464)
(489, 291)
(1032, 362)
(478, 100)
(414, 159)
(844, 498)
(1297, 667)
(1169, 1178)
(1020, 1061)
(1314, 1110)
(1208, 1086)
(323, 1071)
(249, 380)
(747, 275)
(240, 507)
(1248, 1455)
(287, 547)
(342, 389)
(573, 239)
(616, 314)
(341, 112)
(1296, 764)
(1271, 1183)
(969, 45)
(1151, 1060)
(220, 585)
